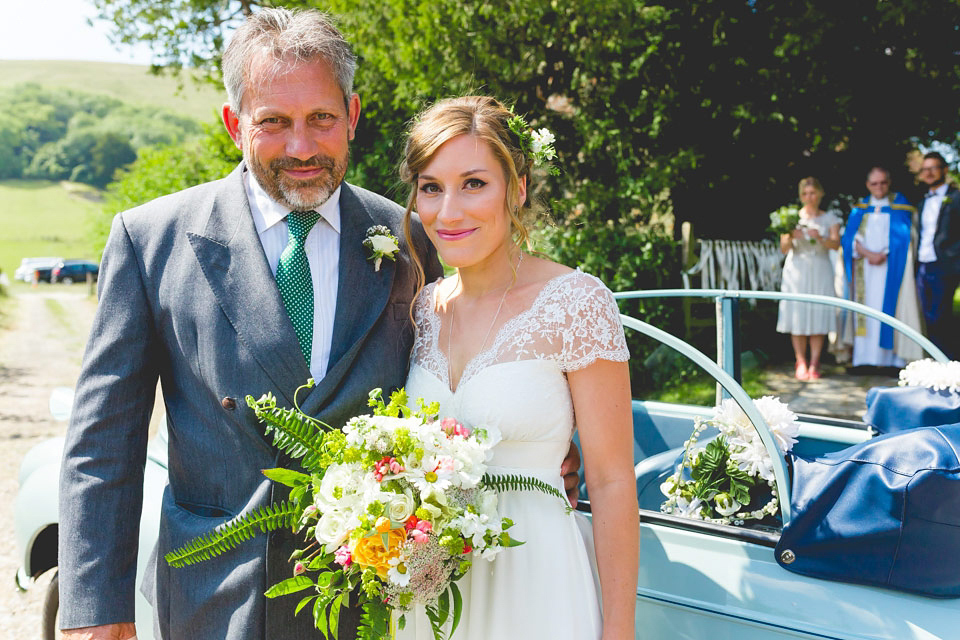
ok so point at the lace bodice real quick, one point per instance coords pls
(573, 321)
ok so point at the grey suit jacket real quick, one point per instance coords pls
(187, 297)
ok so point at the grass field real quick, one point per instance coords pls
(42, 218)
(128, 82)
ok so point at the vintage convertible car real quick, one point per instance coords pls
(697, 579)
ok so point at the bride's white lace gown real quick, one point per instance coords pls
(547, 587)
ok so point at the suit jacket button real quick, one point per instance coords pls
(229, 404)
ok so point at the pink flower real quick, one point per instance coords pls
(453, 428)
(418, 536)
(419, 531)
(424, 526)
(386, 465)
(299, 568)
(342, 556)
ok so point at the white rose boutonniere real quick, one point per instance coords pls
(382, 244)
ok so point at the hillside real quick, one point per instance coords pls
(42, 218)
(127, 82)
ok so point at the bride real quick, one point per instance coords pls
(524, 344)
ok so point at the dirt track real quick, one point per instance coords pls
(41, 344)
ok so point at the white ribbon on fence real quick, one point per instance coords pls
(737, 264)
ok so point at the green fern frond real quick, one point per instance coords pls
(522, 483)
(295, 433)
(229, 535)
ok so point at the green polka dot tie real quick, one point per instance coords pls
(294, 280)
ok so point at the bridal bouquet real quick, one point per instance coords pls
(395, 508)
(730, 479)
(784, 220)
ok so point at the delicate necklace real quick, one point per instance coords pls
(453, 315)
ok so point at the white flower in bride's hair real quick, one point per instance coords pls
(542, 140)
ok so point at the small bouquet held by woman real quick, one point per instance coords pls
(784, 220)
(395, 507)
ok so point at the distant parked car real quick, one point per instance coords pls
(30, 265)
(70, 271)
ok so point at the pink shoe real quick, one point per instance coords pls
(801, 371)
(813, 373)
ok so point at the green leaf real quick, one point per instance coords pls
(302, 604)
(287, 477)
(335, 616)
(320, 616)
(288, 586)
(457, 606)
(230, 534)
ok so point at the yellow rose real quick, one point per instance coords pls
(376, 549)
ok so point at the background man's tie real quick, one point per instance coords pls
(294, 280)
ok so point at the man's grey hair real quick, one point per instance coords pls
(283, 35)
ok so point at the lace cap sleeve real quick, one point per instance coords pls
(592, 330)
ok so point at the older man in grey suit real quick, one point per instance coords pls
(249, 284)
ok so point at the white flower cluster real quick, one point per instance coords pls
(746, 448)
(422, 496)
(939, 376)
(542, 143)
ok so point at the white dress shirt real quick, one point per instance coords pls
(928, 223)
(322, 247)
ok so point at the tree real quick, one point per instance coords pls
(58, 134)
(714, 109)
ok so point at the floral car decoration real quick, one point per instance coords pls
(730, 479)
(395, 507)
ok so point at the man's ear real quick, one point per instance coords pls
(231, 120)
(353, 115)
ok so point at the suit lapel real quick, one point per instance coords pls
(362, 295)
(232, 260)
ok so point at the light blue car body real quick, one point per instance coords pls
(697, 580)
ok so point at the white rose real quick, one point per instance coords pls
(401, 506)
(384, 244)
(332, 530)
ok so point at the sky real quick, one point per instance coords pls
(58, 30)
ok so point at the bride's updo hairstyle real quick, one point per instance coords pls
(480, 116)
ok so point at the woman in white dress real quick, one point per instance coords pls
(808, 269)
(524, 344)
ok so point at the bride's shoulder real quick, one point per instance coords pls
(556, 282)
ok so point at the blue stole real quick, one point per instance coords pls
(901, 221)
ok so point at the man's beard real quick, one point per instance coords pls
(299, 195)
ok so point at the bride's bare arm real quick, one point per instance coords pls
(601, 402)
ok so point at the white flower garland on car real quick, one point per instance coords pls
(939, 376)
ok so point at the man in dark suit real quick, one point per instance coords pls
(938, 254)
(191, 295)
